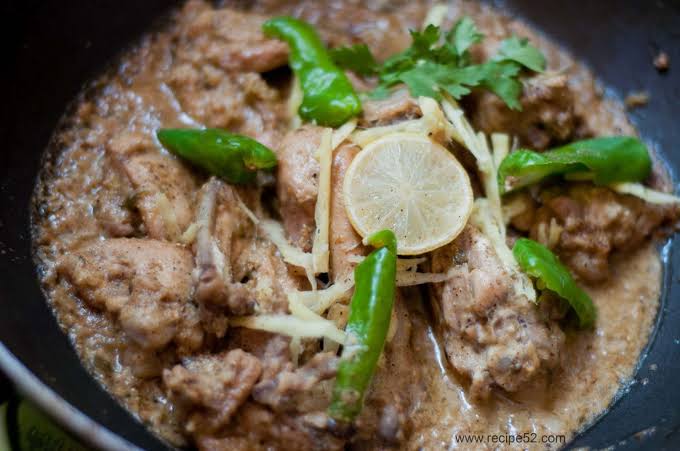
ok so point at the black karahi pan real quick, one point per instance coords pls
(52, 48)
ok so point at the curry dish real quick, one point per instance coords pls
(352, 225)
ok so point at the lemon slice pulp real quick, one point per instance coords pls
(411, 185)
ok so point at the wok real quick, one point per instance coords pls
(53, 47)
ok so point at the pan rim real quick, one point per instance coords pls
(76, 422)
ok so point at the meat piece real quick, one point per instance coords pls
(146, 284)
(595, 221)
(114, 206)
(344, 240)
(240, 102)
(385, 32)
(215, 76)
(214, 286)
(281, 390)
(213, 386)
(297, 183)
(491, 334)
(547, 117)
(115, 217)
(229, 39)
(276, 356)
(162, 184)
(260, 429)
(237, 271)
(269, 279)
(190, 336)
(399, 106)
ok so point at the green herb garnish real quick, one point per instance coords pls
(439, 62)
(357, 58)
(519, 50)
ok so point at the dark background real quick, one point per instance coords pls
(50, 48)
(5, 388)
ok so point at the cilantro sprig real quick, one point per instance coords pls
(357, 58)
(439, 62)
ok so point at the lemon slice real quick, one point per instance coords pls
(411, 185)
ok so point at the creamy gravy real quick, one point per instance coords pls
(595, 366)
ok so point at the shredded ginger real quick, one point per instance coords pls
(320, 247)
(292, 326)
(487, 214)
(644, 193)
(432, 123)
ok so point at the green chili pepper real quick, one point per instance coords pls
(235, 158)
(367, 326)
(328, 96)
(604, 160)
(537, 261)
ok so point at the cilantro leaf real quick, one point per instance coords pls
(423, 80)
(423, 41)
(357, 58)
(459, 80)
(519, 50)
(432, 66)
(462, 36)
(431, 79)
(500, 77)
